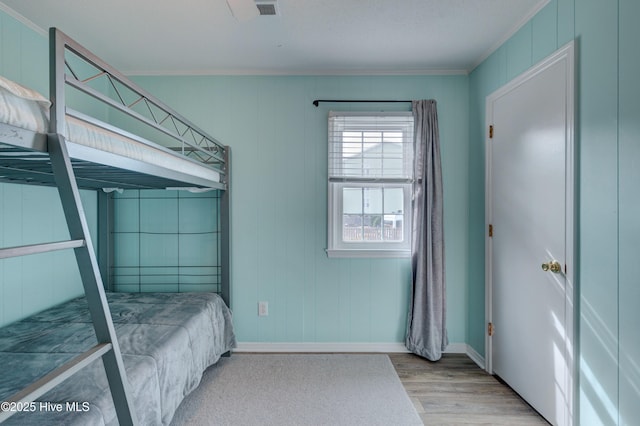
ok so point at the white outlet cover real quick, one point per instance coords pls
(263, 309)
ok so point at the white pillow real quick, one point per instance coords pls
(23, 92)
(22, 107)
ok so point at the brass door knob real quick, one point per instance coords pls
(553, 266)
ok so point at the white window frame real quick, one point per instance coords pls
(336, 246)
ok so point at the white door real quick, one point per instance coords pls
(530, 210)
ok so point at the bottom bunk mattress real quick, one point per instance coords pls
(167, 340)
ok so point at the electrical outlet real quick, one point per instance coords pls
(263, 309)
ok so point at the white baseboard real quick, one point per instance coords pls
(475, 357)
(456, 348)
(320, 347)
(315, 347)
(463, 348)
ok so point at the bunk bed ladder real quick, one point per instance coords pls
(91, 279)
(107, 347)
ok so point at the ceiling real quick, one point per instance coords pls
(307, 37)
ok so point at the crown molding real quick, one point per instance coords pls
(310, 73)
(30, 24)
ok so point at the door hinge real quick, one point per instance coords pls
(490, 230)
(490, 329)
(491, 131)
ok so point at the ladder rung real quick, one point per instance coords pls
(39, 248)
(57, 376)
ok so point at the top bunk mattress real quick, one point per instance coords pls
(27, 110)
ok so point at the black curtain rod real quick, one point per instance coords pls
(317, 101)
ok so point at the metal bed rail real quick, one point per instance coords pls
(74, 66)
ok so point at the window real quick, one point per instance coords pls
(370, 180)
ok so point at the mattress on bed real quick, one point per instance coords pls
(167, 340)
(29, 110)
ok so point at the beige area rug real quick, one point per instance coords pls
(293, 389)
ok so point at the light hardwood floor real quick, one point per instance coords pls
(455, 391)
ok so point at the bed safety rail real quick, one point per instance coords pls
(74, 66)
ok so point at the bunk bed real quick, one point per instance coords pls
(153, 347)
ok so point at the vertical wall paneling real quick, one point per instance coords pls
(34, 61)
(11, 44)
(268, 238)
(198, 239)
(545, 32)
(126, 242)
(519, 51)
(456, 215)
(234, 104)
(295, 242)
(11, 276)
(39, 227)
(566, 21)
(597, 30)
(159, 248)
(24, 54)
(629, 204)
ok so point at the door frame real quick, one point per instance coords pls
(567, 54)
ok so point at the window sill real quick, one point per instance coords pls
(355, 253)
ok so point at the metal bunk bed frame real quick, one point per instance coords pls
(56, 167)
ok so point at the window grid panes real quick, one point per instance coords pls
(372, 214)
(370, 177)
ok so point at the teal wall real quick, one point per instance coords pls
(279, 205)
(608, 121)
(31, 214)
(24, 54)
(629, 210)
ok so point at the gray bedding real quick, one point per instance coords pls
(167, 341)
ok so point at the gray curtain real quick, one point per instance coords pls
(426, 328)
